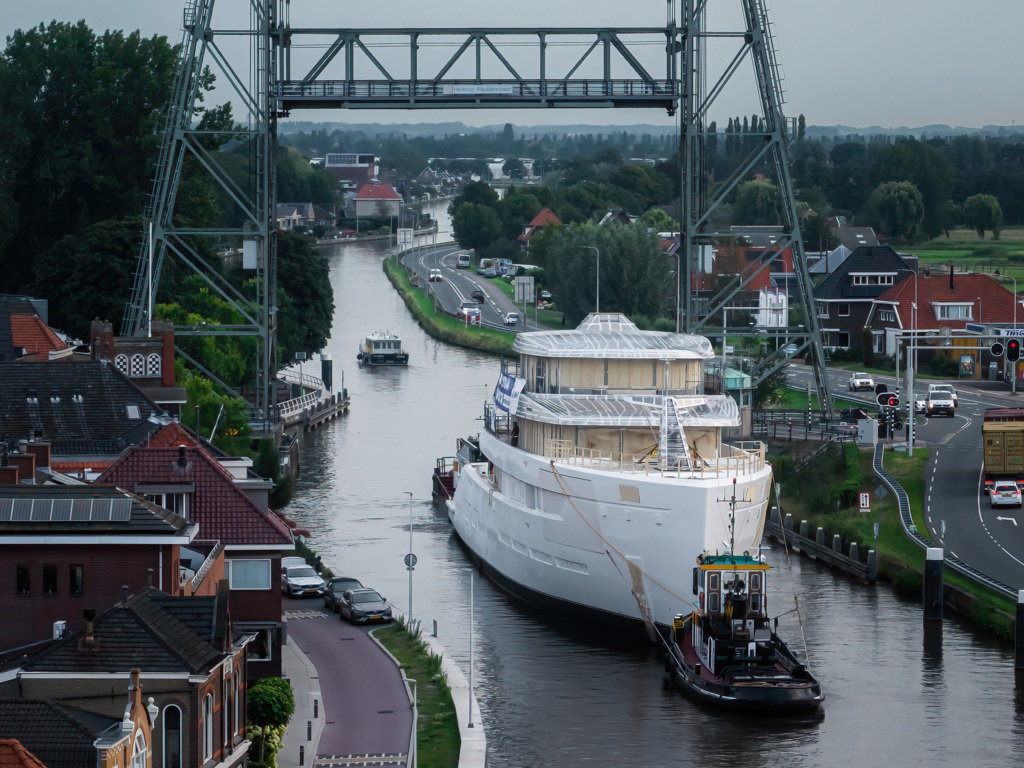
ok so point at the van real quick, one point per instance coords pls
(463, 260)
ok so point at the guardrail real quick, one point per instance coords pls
(910, 529)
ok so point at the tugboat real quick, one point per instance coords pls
(727, 653)
(382, 348)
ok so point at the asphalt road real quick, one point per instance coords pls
(957, 513)
(366, 708)
(457, 285)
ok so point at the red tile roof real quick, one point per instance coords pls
(991, 301)
(30, 332)
(171, 436)
(377, 192)
(71, 466)
(545, 216)
(221, 509)
(13, 755)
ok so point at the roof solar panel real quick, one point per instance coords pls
(22, 510)
(61, 511)
(6, 508)
(121, 510)
(81, 510)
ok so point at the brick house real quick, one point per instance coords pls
(372, 199)
(182, 653)
(68, 548)
(845, 300)
(191, 481)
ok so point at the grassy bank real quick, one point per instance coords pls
(437, 726)
(443, 327)
(900, 560)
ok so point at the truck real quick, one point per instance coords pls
(1002, 435)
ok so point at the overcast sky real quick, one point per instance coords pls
(870, 62)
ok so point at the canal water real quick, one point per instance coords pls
(560, 696)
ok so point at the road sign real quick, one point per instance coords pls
(876, 531)
(865, 502)
(881, 492)
(410, 560)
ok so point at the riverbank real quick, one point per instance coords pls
(443, 327)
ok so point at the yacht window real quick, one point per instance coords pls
(714, 581)
(755, 602)
(755, 582)
(713, 602)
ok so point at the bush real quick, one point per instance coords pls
(270, 705)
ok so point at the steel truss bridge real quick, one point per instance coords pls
(267, 64)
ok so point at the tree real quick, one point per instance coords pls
(659, 221)
(476, 226)
(907, 159)
(897, 209)
(982, 212)
(223, 419)
(270, 705)
(757, 202)
(80, 118)
(305, 296)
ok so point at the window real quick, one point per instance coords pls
(138, 366)
(174, 502)
(139, 750)
(23, 581)
(872, 279)
(121, 362)
(249, 574)
(133, 411)
(208, 727)
(260, 647)
(886, 316)
(153, 364)
(50, 580)
(844, 340)
(844, 310)
(822, 309)
(238, 701)
(954, 311)
(76, 586)
(172, 736)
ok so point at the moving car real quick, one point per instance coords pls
(861, 381)
(336, 587)
(512, 318)
(789, 350)
(462, 262)
(435, 276)
(939, 401)
(301, 581)
(1005, 493)
(478, 295)
(363, 605)
(920, 403)
(946, 388)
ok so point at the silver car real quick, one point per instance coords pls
(301, 581)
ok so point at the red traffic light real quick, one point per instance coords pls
(1013, 349)
(888, 399)
(893, 401)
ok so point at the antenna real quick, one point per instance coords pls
(732, 521)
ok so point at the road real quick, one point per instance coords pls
(957, 514)
(457, 285)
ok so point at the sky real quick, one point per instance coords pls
(890, 63)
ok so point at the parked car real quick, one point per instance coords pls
(861, 381)
(512, 318)
(789, 350)
(289, 561)
(301, 581)
(546, 295)
(1005, 493)
(336, 587)
(363, 605)
(478, 295)
(435, 276)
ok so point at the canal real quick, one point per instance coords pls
(557, 695)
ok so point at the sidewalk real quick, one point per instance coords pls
(300, 741)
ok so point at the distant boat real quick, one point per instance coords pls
(382, 348)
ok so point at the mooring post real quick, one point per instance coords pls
(788, 522)
(1019, 635)
(933, 584)
(820, 536)
(775, 516)
(804, 528)
(854, 551)
(872, 566)
(837, 543)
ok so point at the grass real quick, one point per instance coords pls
(444, 327)
(551, 318)
(901, 561)
(795, 398)
(437, 727)
(965, 250)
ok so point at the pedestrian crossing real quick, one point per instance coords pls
(359, 761)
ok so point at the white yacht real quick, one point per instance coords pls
(601, 474)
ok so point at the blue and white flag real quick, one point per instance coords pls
(506, 392)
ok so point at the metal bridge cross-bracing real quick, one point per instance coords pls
(275, 69)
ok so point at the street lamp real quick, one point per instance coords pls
(410, 559)
(595, 250)
(415, 721)
(471, 614)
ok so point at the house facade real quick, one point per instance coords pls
(192, 482)
(377, 200)
(66, 549)
(845, 300)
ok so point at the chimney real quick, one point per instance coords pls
(88, 640)
(25, 464)
(41, 452)
(149, 577)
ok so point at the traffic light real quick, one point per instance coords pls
(997, 349)
(893, 401)
(1013, 349)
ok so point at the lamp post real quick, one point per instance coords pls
(679, 277)
(598, 299)
(410, 559)
(471, 613)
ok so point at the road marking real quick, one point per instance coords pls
(1011, 519)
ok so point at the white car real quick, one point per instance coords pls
(512, 318)
(301, 580)
(945, 388)
(861, 381)
(435, 275)
(1005, 493)
(920, 404)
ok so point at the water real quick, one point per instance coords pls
(559, 696)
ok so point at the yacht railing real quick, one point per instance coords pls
(744, 459)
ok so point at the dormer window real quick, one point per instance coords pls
(952, 311)
(873, 279)
(133, 411)
(172, 497)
